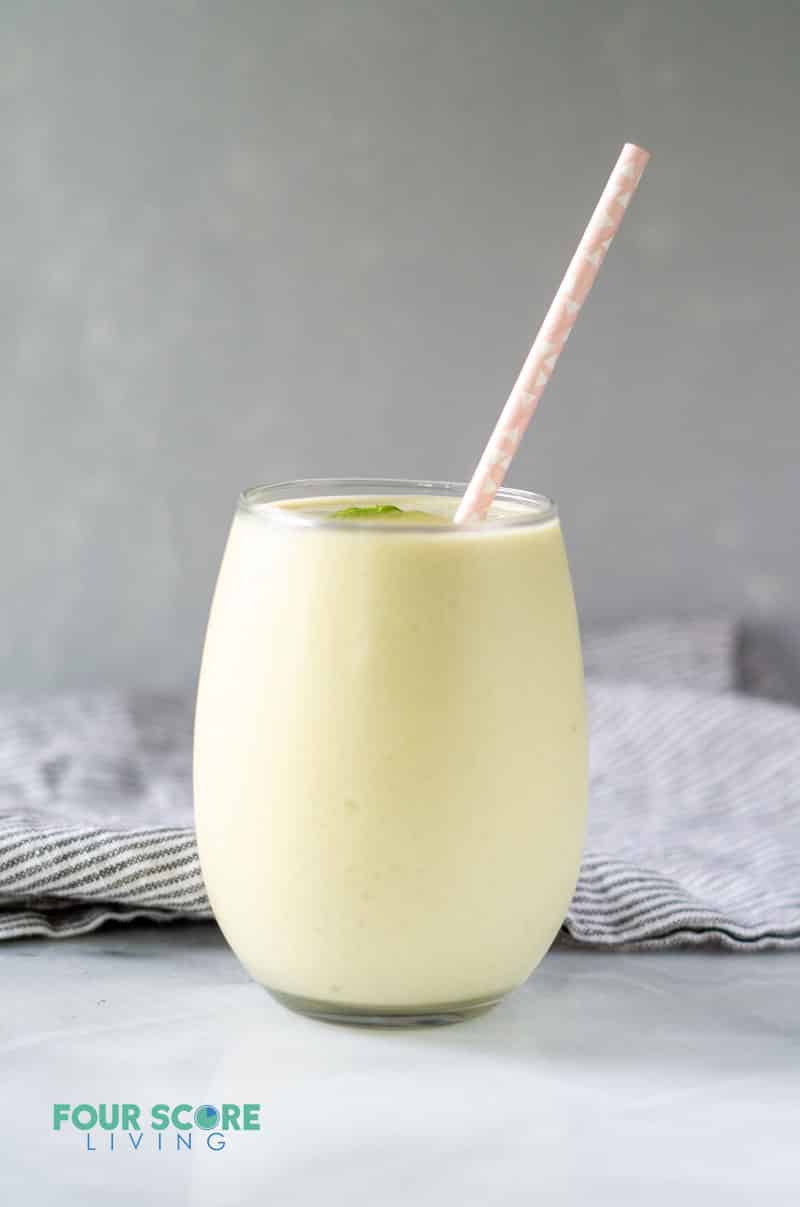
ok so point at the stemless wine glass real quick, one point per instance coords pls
(390, 749)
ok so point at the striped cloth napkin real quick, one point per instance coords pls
(694, 830)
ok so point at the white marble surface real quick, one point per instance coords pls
(606, 1079)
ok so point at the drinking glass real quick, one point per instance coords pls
(390, 749)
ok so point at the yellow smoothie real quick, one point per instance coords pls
(390, 749)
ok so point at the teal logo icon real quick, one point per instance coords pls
(206, 1117)
(114, 1126)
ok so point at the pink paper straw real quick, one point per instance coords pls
(553, 334)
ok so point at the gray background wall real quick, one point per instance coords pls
(248, 241)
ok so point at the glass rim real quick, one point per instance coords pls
(539, 508)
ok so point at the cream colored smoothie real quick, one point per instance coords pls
(390, 747)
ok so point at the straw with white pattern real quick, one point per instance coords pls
(559, 321)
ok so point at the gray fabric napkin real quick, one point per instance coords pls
(694, 830)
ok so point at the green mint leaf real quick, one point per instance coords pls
(366, 513)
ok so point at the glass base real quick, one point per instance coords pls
(386, 1016)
